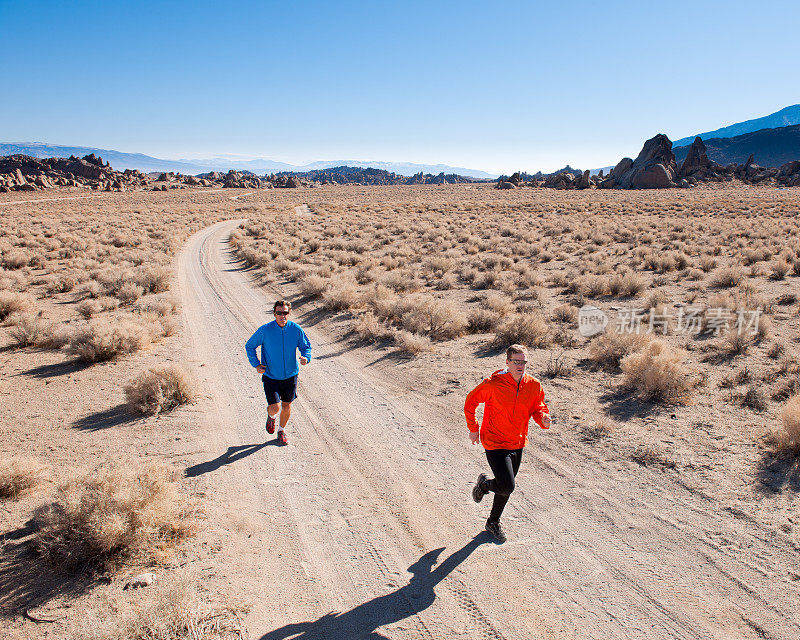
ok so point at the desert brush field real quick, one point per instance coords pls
(662, 503)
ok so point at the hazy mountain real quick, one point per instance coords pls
(771, 147)
(120, 161)
(783, 118)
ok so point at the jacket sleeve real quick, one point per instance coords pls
(250, 347)
(304, 344)
(475, 397)
(539, 408)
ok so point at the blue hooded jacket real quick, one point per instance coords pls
(278, 349)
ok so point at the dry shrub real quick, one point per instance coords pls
(60, 283)
(369, 328)
(736, 343)
(103, 339)
(500, 304)
(528, 329)
(340, 296)
(154, 279)
(114, 514)
(608, 350)
(18, 474)
(170, 609)
(313, 285)
(565, 313)
(16, 259)
(90, 307)
(411, 343)
(30, 330)
(626, 284)
(90, 289)
(129, 293)
(437, 319)
(727, 278)
(482, 320)
(790, 418)
(12, 302)
(160, 389)
(779, 269)
(754, 399)
(160, 306)
(658, 373)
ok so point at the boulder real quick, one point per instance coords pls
(506, 185)
(696, 159)
(622, 166)
(654, 167)
(652, 176)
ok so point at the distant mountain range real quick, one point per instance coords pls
(771, 147)
(120, 161)
(783, 118)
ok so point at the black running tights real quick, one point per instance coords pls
(505, 464)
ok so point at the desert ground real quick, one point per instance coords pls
(662, 503)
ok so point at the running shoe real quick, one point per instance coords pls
(270, 425)
(496, 529)
(282, 437)
(478, 491)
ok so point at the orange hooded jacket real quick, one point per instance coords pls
(507, 409)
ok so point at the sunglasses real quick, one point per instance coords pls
(519, 363)
(281, 313)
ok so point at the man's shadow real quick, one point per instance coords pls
(231, 455)
(363, 620)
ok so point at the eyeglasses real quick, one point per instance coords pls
(282, 313)
(519, 363)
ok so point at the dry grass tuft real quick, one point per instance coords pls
(369, 328)
(608, 350)
(437, 319)
(103, 339)
(30, 330)
(790, 418)
(114, 514)
(651, 456)
(658, 373)
(18, 474)
(160, 389)
(529, 329)
(727, 278)
(171, 609)
(411, 343)
(13, 302)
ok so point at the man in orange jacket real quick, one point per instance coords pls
(511, 398)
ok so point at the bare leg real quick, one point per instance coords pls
(286, 411)
(272, 409)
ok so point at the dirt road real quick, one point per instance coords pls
(363, 524)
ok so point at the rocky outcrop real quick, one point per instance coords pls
(789, 174)
(25, 173)
(697, 164)
(654, 168)
(241, 180)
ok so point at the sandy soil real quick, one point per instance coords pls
(366, 513)
(364, 524)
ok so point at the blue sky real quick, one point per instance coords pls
(499, 87)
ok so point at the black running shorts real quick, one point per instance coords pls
(280, 390)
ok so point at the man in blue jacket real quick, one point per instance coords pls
(279, 341)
